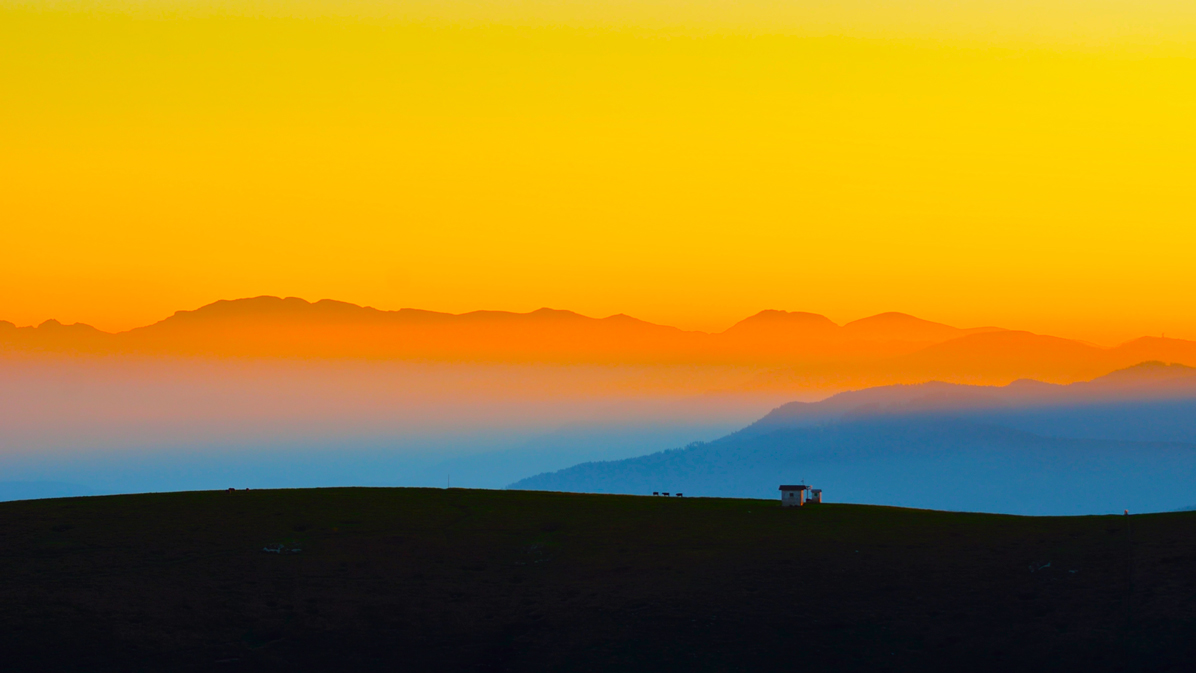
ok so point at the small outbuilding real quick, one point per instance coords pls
(791, 496)
(796, 496)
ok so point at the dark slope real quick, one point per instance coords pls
(434, 580)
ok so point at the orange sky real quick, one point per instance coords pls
(1021, 164)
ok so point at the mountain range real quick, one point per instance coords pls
(885, 348)
(1122, 441)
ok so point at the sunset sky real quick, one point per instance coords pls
(1024, 164)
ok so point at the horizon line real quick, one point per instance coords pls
(519, 313)
(546, 309)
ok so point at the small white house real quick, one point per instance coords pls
(791, 496)
(796, 496)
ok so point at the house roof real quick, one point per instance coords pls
(793, 488)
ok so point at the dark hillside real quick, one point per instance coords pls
(456, 580)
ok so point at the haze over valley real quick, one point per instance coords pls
(275, 392)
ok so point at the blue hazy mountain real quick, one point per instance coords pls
(1122, 441)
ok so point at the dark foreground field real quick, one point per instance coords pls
(459, 580)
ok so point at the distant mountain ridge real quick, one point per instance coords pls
(1125, 440)
(889, 347)
(1144, 382)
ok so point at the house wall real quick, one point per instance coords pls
(791, 498)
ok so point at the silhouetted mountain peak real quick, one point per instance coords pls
(893, 318)
(893, 326)
(545, 313)
(53, 326)
(622, 320)
(1031, 385)
(782, 322)
(265, 306)
(1008, 343)
(1153, 370)
(556, 312)
(899, 398)
(1147, 380)
(1154, 341)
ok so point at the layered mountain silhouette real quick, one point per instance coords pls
(889, 347)
(1125, 440)
(1144, 383)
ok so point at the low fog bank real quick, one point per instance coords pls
(91, 426)
(489, 461)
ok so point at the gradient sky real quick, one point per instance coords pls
(1027, 164)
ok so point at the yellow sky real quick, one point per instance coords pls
(1027, 164)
